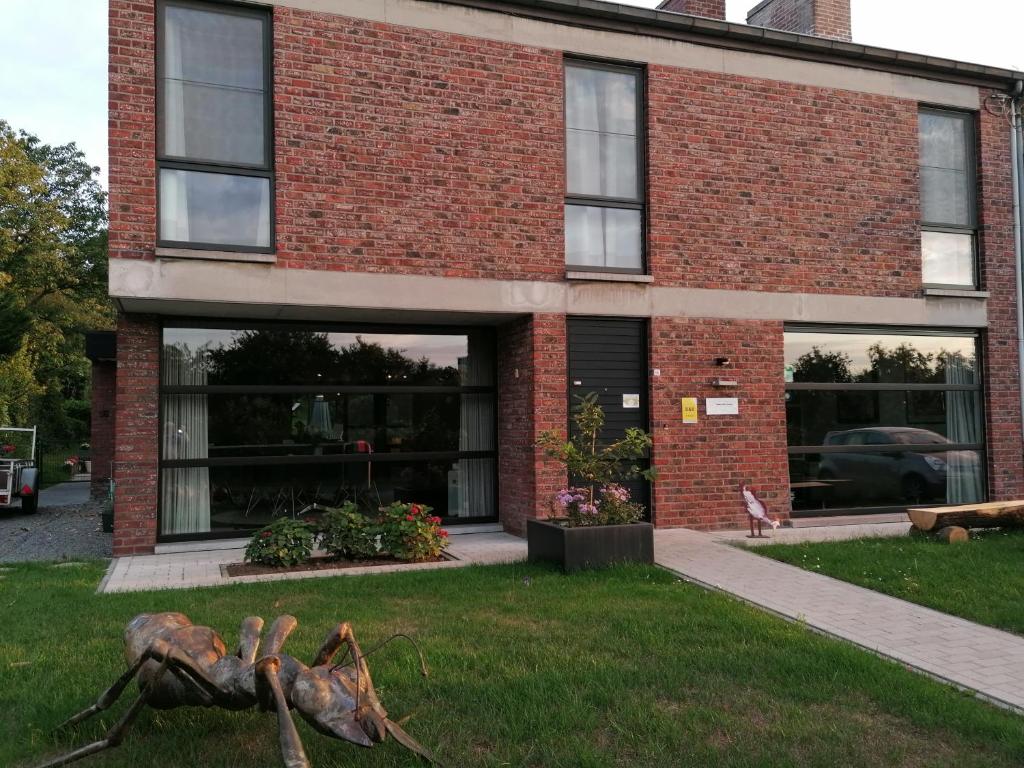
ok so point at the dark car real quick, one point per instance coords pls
(909, 475)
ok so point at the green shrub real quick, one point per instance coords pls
(410, 532)
(347, 533)
(282, 543)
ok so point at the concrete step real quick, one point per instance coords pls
(827, 522)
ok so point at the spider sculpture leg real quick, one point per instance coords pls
(292, 753)
(178, 662)
(116, 733)
(279, 631)
(249, 639)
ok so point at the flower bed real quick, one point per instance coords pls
(398, 533)
(319, 563)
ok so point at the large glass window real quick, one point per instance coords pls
(213, 132)
(877, 419)
(260, 422)
(604, 170)
(948, 219)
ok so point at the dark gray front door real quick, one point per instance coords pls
(609, 357)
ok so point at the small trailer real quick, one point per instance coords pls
(19, 475)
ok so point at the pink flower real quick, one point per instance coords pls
(435, 520)
(410, 518)
(442, 533)
(415, 509)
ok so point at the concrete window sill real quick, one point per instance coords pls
(201, 255)
(608, 277)
(955, 293)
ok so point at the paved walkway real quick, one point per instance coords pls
(182, 570)
(986, 661)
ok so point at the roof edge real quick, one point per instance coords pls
(726, 34)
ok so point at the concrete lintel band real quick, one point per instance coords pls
(638, 47)
(227, 289)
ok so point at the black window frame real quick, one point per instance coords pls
(981, 448)
(177, 163)
(969, 120)
(336, 459)
(597, 201)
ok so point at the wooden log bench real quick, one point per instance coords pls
(951, 524)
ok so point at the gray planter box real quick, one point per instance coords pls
(575, 549)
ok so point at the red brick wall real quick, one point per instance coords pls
(101, 438)
(401, 150)
(710, 9)
(701, 466)
(132, 131)
(767, 186)
(531, 398)
(137, 435)
(1001, 371)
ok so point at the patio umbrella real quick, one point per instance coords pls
(320, 419)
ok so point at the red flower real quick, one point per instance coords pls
(443, 533)
(265, 535)
(435, 520)
(410, 518)
(416, 509)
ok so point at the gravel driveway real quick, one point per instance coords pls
(58, 531)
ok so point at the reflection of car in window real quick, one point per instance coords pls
(907, 474)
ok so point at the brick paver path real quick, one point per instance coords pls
(987, 661)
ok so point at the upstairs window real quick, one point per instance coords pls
(948, 209)
(604, 205)
(214, 126)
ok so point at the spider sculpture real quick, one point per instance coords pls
(178, 664)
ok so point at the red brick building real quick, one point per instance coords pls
(373, 249)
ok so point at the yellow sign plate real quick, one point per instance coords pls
(689, 410)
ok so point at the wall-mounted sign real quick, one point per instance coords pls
(689, 410)
(722, 406)
(788, 372)
(631, 401)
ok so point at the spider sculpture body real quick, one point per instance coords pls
(179, 664)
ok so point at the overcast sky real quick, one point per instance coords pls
(53, 53)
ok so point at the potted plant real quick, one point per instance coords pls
(595, 521)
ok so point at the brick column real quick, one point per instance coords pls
(701, 466)
(531, 399)
(137, 436)
(999, 343)
(101, 438)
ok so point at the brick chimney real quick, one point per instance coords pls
(821, 18)
(709, 9)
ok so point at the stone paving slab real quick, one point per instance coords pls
(183, 570)
(980, 659)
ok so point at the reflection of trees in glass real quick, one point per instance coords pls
(811, 414)
(309, 357)
(273, 357)
(283, 357)
(823, 366)
(901, 363)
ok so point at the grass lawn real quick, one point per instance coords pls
(982, 580)
(628, 667)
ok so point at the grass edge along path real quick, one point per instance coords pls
(981, 580)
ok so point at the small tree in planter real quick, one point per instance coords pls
(600, 523)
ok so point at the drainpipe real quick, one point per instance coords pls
(1017, 150)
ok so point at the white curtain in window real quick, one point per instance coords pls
(963, 468)
(185, 492)
(476, 432)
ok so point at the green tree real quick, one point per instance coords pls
(53, 275)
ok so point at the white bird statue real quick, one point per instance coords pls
(757, 511)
